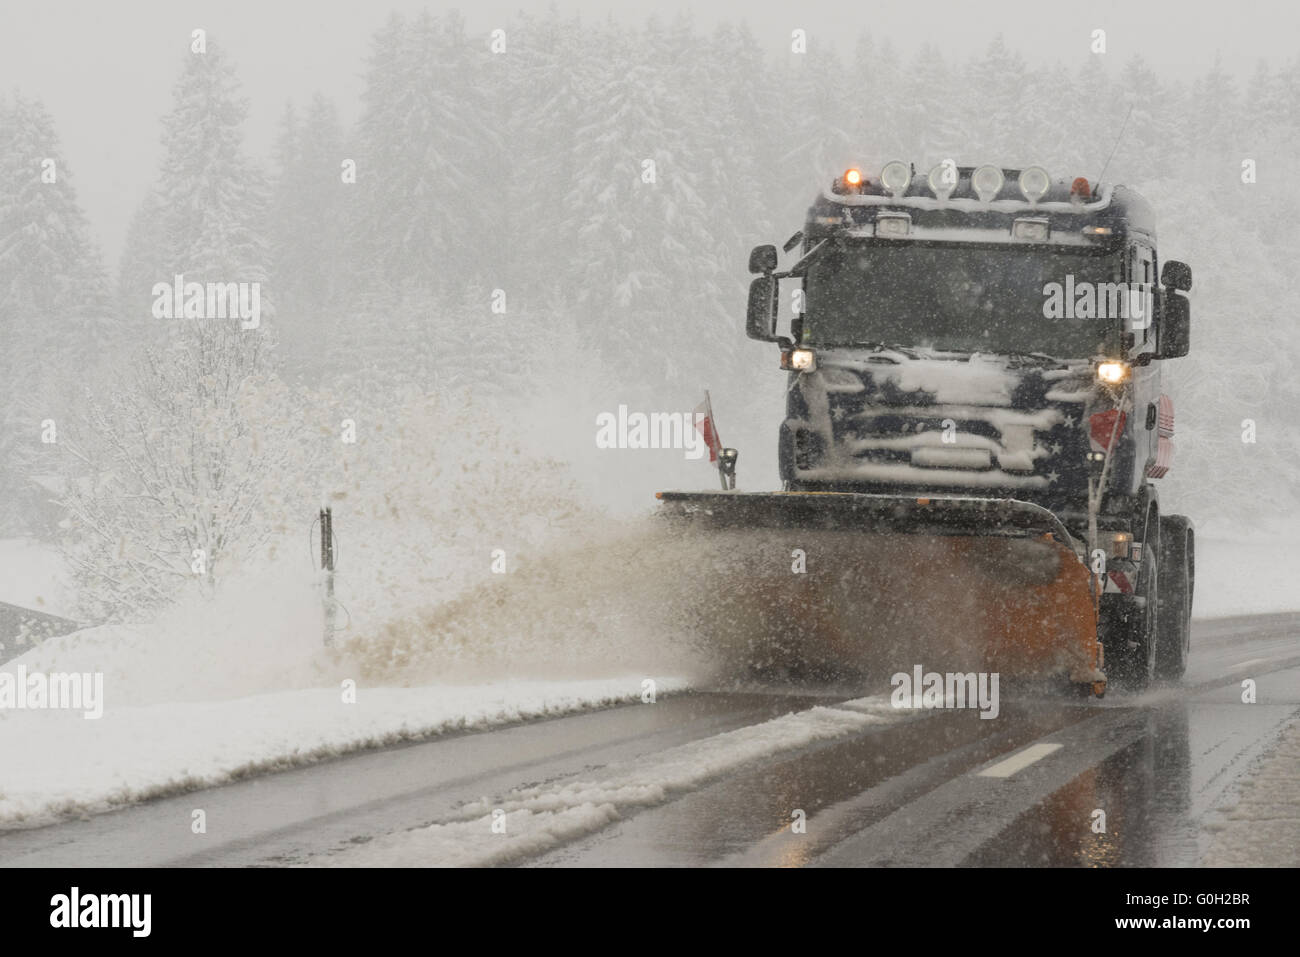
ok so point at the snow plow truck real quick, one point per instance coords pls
(974, 424)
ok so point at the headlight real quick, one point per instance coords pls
(987, 182)
(943, 179)
(799, 360)
(896, 177)
(1034, 183)
(1112, 373)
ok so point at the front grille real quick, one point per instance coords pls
(883, 438)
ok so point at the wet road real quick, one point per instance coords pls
(765, 779)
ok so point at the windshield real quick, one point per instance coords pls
(954, 297)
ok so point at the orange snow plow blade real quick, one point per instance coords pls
(879, 584)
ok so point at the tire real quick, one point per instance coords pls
(1175, 600)
(1132, 658)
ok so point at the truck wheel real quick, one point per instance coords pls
(1175, 604)
(1133, 661)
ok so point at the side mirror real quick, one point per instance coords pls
(1175, 321)
(1176, 275)
(760, 320)
(762, 259)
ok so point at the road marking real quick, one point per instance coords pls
(1004, 769)
(1247, 664)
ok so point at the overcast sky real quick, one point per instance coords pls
(105, 69)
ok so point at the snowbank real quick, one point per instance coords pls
(137, 752)
(263, 634)
(32, 575)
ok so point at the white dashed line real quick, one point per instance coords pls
(1004, 769)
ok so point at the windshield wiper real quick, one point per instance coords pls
(800, 269)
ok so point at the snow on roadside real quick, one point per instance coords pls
(33, 575)
(1245, 577)
(1262, 829)
(539, 818)
(218, 688)
(57, 763)
(263, 635)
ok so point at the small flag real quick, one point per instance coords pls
(708, 427)
(1103, 425)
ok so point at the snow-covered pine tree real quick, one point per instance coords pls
(1058, 146)
(546, 83)
(1143, 152)
(137, 271)
(994, 101)
(54, 305)
(424, 139)
(738, 127)
(1097, 112)
(643, 256)
(211, 197)
(820, 119)
(877, 87)
(311, 214)
(938, 110)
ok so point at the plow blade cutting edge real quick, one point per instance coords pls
(874, 584)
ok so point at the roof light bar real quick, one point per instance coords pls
(943, 179)
(1034, 183)
(987, 182)
(896, 177)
